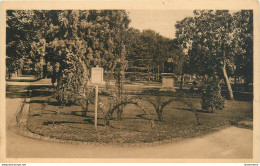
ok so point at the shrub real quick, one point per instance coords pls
(117, 102)
(159, 103)
(211, 98)
(72, 86)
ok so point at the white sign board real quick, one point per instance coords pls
(97, 75)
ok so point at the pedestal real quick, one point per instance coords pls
(168, 82)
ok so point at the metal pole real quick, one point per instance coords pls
(96, 107)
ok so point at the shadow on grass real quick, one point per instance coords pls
(80, 113)
(20, 91)
(41, 94)
(16, 91)
(243, 96)
(74, 113)
(186, 93)
(36, 115)
(86, 121)
(178, 93)
(185, 109)
(141, 116)
(53, 103)
(46, 112)
(89, 121)
(63, 122)
(13, 95)
(23, 80)
(241, 125)
(123, 129)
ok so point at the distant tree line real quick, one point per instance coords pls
(147, 53)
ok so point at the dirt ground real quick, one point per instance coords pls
(229, 143)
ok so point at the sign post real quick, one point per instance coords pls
(96, 78)
(96, 106)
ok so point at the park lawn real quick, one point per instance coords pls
(135, 127)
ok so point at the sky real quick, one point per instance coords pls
(161, 21)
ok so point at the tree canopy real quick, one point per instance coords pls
(214, 44)
(148, 51)
(204, 43)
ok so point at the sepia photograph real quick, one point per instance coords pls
(129, 83)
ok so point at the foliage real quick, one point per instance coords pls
(26, 38)
(203, 37)
(70, 42)
(212, 99)
(147, 51)
(18, 31)
(243, 44)
(89, 37)
(217, 43)
(85, 99)
(73, 71)
(73, 83)
(209, 38)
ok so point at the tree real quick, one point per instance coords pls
(115, 55)
(81, 40)
(207, 39)
(159, 103)
(71, 42)
(243, 44)
(139, 55)
(27, 38)
(20, 33)
(147, 52)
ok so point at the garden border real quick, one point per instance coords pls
(21, 128)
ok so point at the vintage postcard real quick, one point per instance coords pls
(130, 81)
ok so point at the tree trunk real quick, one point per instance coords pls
(15, 73)
(236, 85)
(106, 119)
(18, 72)
(58, 77)
(158, 73)
(227, 81)
(181, 81)
(53, 78)
(84, 114)
(159, 114)
(212, 109)
(9, 75)
(120, 89)
(119, 113)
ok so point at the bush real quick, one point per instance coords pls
(211, 97)
(73, 82)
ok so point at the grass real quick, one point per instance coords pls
(135, 127)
